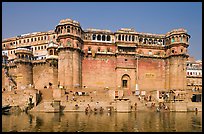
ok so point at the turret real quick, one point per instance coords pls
(177, 42)
(69, 53)
(52, 61)
(24, 68)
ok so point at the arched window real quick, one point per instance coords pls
(181, 39)
(51, 52)
(122, 37)
(140, 39)
(23, 41)
(172, 40)
(108, 49)
(79, 31)
(150, 41)
(22, 56)
(41, 47)
(27, 40)
(108, 38)
(133, 38)
(129, 37)
(103, 37)
(155, 41)
(68, 43)
(68, 29)
(99, 49)
(35, 39)
(75, 30)
(145, 41)
(93, 37)
(186, 39)
(125, 81)
(31, 39)
(126, 38)
(159, 42)
(119, 37)
(89, 48)
(41, 38)
(44, 37)
(99, 37)
(172, 51)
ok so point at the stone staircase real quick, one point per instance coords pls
(142, 105)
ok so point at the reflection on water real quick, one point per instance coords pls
(115, 122)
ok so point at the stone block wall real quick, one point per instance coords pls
(99, 72)
(43, 74)
(151, 74)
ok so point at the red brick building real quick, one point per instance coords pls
(71, 57)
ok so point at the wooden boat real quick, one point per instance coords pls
(6, 109)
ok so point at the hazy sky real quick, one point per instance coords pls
(151, 17)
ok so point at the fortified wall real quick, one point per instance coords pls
(74, 58)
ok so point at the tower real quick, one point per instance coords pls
(52, 61)
(177, 42)
(24, 69)
(69, 53)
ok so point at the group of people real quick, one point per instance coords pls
(96, 109)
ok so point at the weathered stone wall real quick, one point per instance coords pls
(24, 72)
(65, 70)
(151, 74)
(43, 74)
(177, 72)
(126, 67)
(99, 72)
(5, 79)
(76, 69)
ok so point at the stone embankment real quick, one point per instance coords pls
(69, 102)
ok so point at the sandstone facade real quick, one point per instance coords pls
(74, 58)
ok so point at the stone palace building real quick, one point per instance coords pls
(75, 58)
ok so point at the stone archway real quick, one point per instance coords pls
(125, 84)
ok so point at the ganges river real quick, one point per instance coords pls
(105, 122)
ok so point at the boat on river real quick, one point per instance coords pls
(6, 109)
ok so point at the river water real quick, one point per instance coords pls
(105, 122)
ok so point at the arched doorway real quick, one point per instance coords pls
(125, 84)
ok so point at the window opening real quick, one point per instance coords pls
(99, 37)
(124, 83)
(108, 38)
(94, 37)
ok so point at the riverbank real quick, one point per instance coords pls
(91, 102)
